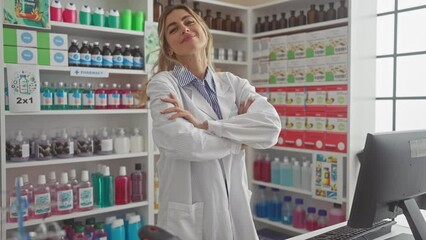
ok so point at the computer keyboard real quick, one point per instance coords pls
(348, 233)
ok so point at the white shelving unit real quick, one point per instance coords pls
(106, 70)
(280, 225)
(300, 84)
(80, 112)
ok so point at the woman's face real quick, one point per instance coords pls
(184, 34)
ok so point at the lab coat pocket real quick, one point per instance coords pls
(186, 221)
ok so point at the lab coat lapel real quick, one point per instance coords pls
(199, 101)
(226, 101)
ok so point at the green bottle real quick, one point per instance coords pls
(6, 98)
(114, 18)
(96, 180)
(74, 97)
(107, 185)
(126, 19)
(60, 98)
(46, 95)
(138, 21)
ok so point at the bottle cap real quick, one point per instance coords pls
(299, 201)
(306, 164)
(25, 178)
(276, 159)
(90, 221)
(73, 174)
(79, 229)
(99, 168)
(117, 223)
(275, 190)
(64, 178)
(41, 179)
(128, 215)
(127, 45)
(296, 163)
(71, 6)
(322, 212)
(110, 219)
(99, 225)
(138, 166)
(19, 181)
(19, 136)
(85, 8)
(85, 176)
(286, 160)
(134, 219)
(56, 4)
(52, 175)
(106, 171)
(287, 198)
(99, 10)
(43, 136)
(122, 171)
(114, 13)
(311, 210)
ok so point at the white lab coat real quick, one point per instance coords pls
(193, 199)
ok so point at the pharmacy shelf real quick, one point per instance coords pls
(224, 4)
(79, 214)
(73, 160)
(227, 34)
(79, 112)
(301, 150)
(93, 31)
(107, 70)
(304, 28)
(226, 62)
(281, 187)
(155, 211)
(305, 84)
(280, 225)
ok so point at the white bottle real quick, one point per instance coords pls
(306, 176)
(296, 175)
(136, 142)
(19, 148)
(121, 142)
(275, 171)
(105, 143)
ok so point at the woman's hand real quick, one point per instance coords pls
(180, 112)
(245, 106)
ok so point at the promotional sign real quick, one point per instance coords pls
(327, 179)
(29, 13)
(24, 88)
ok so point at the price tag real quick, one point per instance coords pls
(24, 88)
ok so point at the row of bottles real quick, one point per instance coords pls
(270, 206)
(91, 55)
(217, 23)
(287, 173)
(85, 96)
(99, 17)
(103, 142)
(313, 15)
(69, 195)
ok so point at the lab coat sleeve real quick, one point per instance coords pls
(179, 138)
(258, 128)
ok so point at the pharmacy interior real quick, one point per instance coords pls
(77, 151)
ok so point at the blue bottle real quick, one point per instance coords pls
(286, 173)
(274, 206)
(275, 171)
(108, 225)
(261, 204)
(133, 227)
(287, 211)
(117, 230)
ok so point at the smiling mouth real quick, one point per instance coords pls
(187, 38)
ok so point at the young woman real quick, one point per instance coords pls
(202, 122)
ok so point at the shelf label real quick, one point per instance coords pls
(89, 72)
(24, 88)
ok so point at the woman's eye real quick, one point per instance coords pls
(173, 30)
(189, 22)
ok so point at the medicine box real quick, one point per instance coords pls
(54, 41)
(20, 38)
(52, 57)
(23, 55)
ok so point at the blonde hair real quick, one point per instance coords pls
(166, 62)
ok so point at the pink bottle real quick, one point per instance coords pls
(138, 184)
(299, 214)
(30, 190)
(70, 13)
(12, 214)
(322, 218)
(42, 200)
(114, 97)
(53, 185)
(311, 223)
(127, 99)
(85, 193)
(64, 196)
(56, 11)
(336, 214)
(122, 187)
(74, 184)
(101, 97)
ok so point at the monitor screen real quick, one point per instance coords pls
(393, 171)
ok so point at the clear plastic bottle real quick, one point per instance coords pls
(43, 147)
(287, 209)
(299, 214)
(53, 185)
(88, 97)
(64, 196)
(46, 97)
(274, 206)
(121, 142)
(322, 218)
(18, 149)
(127, 100)
(101, 97)
(286, 173)
(122, 187)
(84, 145)
(296, 175)
(261, 207)
(104, 143)
(64, 145)
(14, 204)
(311, 223)
(138, 178)
(75, 185)
(114, 97)
(336, 214)
(275, 171)
(85, 193)
(74, 97)
(136, 142)
(60, 98)
(30, 190)
(127, 57)
(106, 56)
(117, 57)
(107, 185)
(306, 176)
(42, 199)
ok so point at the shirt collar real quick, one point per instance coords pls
(185, 77)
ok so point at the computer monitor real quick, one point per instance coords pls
(392, 176)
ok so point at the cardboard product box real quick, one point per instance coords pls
(54, 41)
(255, 71)
(256, 49)
(316, 69)
(337, 68)
(52, 57)
(263, 92)
(281, 139)
(264, 49)
(14, 55)
(278, 48)
(277, 96)
(337, 98)
(294, 129)
(336, 142)
(315, 130)
(296, 46)
(315, 44)
(264, 71)
(278, 72)
(296, 71)
(19, 37)
(337, 122)
(295, 98)
(337, 41)
(315, 98)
